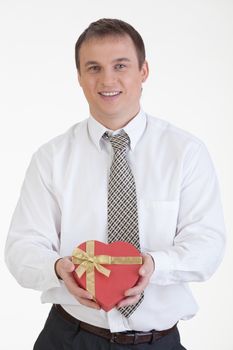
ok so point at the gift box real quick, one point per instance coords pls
(106, 270)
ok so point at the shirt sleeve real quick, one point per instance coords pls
(33, 240)
(199, 242)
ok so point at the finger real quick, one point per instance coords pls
(89, 303)
(76, 290)
(64, 266)
(148, 266)
(67, 265)
(139, 288)
(129, 301)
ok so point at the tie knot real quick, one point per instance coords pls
(119, 142)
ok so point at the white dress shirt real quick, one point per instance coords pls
(63, 202)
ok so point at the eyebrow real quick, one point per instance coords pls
(121, 59)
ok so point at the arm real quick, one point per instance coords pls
(33, 240)
(199, 242)
(32, 248)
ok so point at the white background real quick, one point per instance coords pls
(190, 52)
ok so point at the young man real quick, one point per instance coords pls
(71, 194)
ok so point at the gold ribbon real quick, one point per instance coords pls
(88, 262)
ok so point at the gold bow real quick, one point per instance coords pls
(88, 262)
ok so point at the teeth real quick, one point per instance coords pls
(114, 93)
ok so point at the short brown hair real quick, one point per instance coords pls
(111, 27)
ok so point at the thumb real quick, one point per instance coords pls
(67, 265)
(142, 271)
(147, 267)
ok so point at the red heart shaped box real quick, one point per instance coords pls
(110, 290)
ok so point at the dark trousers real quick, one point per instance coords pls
(60, 334)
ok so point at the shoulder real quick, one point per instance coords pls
(172, 136)
(59, 147)
(63, 142)
(163, 128)
(174, 142)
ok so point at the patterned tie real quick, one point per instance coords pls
(122, 202)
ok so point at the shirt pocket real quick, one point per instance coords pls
(157, 223)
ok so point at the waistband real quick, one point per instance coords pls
(128, 337)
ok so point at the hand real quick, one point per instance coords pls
(145, 272)
(64, 268)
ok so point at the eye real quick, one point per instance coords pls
(120, 66)
(94, 69)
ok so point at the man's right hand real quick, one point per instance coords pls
(64, 268)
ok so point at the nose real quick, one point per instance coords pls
(108, 77)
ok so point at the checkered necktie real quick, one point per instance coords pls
(122, 202)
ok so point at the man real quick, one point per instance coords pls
(67, 198)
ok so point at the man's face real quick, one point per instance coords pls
(111, 79)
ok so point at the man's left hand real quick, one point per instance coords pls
(145, 272)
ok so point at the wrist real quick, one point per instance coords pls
(152, 259)
(56, 269)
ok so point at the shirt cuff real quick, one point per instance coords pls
(163, 268)
(50, 277)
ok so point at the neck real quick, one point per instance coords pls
(114, 123)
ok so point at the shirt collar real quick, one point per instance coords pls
(134, 129)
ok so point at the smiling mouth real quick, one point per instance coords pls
(109, 93)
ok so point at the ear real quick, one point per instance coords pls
(144, 71)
